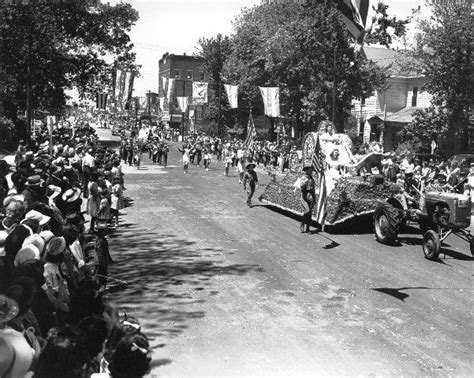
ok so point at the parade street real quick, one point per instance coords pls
(224, 289)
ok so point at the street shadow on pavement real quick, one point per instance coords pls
(166, 278)
(397, 292)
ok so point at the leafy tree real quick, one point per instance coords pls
(51, 46)
(383, 27)
(445, 55)
(214, 52)
(306, 51)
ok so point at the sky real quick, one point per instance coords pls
(175, 27)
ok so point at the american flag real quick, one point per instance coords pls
(317, 162)
(251, 133)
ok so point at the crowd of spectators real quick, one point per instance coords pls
(59, 202)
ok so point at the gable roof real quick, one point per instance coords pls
(395, 61)
(404, 115)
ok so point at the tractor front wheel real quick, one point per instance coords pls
(431, 245)
(387, 223)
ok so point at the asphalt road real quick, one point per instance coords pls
(223, 289)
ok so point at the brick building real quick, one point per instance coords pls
(184, 69)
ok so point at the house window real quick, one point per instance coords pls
(198, 114)
(177, 74)
(201, 75)
(414, 96)
(189, 75)
(362, 101)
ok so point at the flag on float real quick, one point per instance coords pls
(251, 133)
(317, 162)
(101, 100)
(271, 100)
(199, 92)
(232, 95)
(354, 15)
(183, 103)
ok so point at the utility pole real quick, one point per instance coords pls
(334, 88)
(136, 111)
(220, 109)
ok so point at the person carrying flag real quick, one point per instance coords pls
(308, 196)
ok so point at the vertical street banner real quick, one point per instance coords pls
(170, 90)
(101, 100)
(192, 127)
(121, 88)
(164, 83)
(162, 103)
(183, 103)
(116, 89)
(199, 93)
(129, 89)
(271, 100)
(354, 15)
(232, 95)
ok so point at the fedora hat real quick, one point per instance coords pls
(8, 309)
(36, 216)
(34, 180)
(250, 165)
(71, 195)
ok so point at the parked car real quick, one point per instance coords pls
(465, 161)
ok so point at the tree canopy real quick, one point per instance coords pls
(305, 50)
(52, 46)
(444, 52)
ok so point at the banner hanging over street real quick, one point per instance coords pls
(271, 100)
(199, 93)
(232, 94)
(183, 103)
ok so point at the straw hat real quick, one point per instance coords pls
(71, 195)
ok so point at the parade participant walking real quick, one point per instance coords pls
(308, 196)
(227, 156)
(164, 150)
(207, 158)
(250, 178)
(185, 151)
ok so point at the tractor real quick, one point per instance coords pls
(439, 214)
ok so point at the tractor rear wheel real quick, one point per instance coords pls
(431, 245)
(387, 221)
(471, 244)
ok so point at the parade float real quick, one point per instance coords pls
(353, 194)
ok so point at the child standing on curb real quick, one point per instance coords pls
(251, 178)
